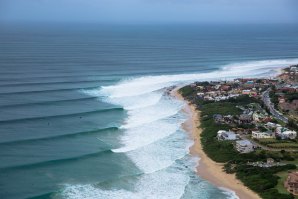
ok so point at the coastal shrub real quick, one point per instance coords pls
(274, 194)
(293, 124)
(283, 145)
(224, 108)
(230, 167)
(261, 180)
(186, 91)
(273, 98)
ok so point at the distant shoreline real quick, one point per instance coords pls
(207, 168)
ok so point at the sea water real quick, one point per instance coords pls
(84, 109)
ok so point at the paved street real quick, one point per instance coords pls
(270, 105)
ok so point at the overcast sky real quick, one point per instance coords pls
(150, 11)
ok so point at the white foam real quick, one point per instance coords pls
(144, 135)
(150, 137)
(148, 84)
(163, 109)
(166, 185)
(231, 194)
(162, 154)
(128, 102)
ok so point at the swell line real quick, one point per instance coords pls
(50, 83)
(60, 116)
(47, 102)
(48, 90)
(53, 162)
(33, 140)
(56, 76)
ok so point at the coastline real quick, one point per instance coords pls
(207, 168)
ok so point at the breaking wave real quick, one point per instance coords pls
(152, 137)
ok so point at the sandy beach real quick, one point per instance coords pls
(207, 168)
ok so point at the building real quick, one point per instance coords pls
(285, 133)
(291, 183)
(244, 146)
(258, 117)
(270, 161)
(294, 69)
(246, 92)
(272, 125)
(262, 135)
(218, 118)
(245, 118)
(226, 135)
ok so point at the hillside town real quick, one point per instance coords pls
(263, 120)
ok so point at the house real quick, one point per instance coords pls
(226, 135)
(272, 125)
(285, 133)
(294, 69)
(291, 183)
(218, 118)
(200, 87)
(270, 161)
(253, 93)
(240, 130)
(246, 92)
(200, 94)
(262, 135)
(281, 100)
(225, 88)
(258, 117)
(244, 146)
(245, 118)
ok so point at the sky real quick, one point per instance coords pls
(150, 11)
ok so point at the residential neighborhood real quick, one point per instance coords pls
(260, 120)
(251, 125)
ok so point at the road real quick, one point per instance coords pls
(276, 114)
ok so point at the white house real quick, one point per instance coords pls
(257, 117)
(293, 69)
(261, 135)
(245, 92)
(226, 135)
(285, 133)
(244, 146)
(272, 125)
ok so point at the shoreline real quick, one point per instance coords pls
(207, 168)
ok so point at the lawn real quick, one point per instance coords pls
(282, 144)
(280, 186)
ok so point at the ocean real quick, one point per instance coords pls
(84, 109)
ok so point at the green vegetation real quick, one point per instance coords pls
(281, 144)
(261, 180)
(273, 98)
(280, 184)
(186, 91)
(292, 124)
(291, 96)
(210, 144)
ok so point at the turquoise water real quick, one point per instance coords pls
(84, 112)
